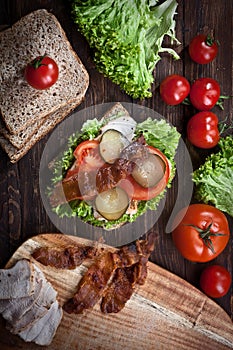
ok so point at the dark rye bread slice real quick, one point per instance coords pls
(48, 124)
(21, 139)
(37, 34)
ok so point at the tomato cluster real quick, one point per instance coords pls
(200, 231)
(204, 94)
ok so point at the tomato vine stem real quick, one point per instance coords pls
(206, 233)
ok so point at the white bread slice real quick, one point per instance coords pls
(18, 281)
(49, 123)
(37, 34)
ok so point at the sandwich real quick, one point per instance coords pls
(115, 169)
(27, 114)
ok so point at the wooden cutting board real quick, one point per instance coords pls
(165, 313)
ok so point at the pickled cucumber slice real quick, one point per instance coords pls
(112, 204)
(111, 145)
(148, 172)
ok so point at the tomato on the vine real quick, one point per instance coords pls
(203, 49)
(41, 73)
(202, 130)
(174, 89)
(204, 93)
(215, 281)
(200, 232)
(138, 192)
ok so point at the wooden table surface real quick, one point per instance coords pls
(22, 214)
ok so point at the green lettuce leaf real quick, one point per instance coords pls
(214, 179)
(127, 38)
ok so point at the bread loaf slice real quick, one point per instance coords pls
(48, 124)
(37, 34)
(23, 137)
(18, 281)
(20, 139)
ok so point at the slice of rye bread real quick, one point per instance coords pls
(37, 34)
(20, 139)
(114, 110)
(49, 123)
(124, 119)
(23, 137)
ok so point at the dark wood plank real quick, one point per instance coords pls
(21, 210)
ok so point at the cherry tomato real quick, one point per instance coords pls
(215, 281)
(138, 192)
(203, 49)
(201, 232)
(202, 130)
(204, 93)
(87, 156)
(174, 89)
(41, 73)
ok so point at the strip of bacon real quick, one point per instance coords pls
(69, 188)
(120, 290)
(109, 175)
(87, 184)
(96, 278)
(122, 286)
(64, 258)
(92, 284)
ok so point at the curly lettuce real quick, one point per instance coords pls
(214, 179)
(126, 37)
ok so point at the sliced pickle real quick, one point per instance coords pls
(112, 204)
(148, 172)
(111, 145)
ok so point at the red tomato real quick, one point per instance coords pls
(204, 93)
(174, 89)
(137, 192)
(215, 281)
(41, 73)
(201, 232)
(203, 49)
(87, 155)
(202, 130)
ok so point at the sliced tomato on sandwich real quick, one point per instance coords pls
(87, 156)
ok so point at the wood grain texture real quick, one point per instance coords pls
(164, 313)
(21, 210)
